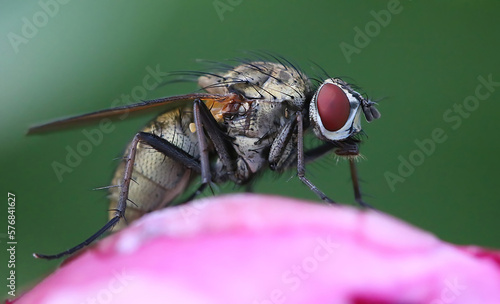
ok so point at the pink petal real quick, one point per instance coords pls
(262, 249)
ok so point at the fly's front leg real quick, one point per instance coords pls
(319, 151)
(278, 153)
(355, 185)
(342, 149)
(158, 144)
(301, 169)
(351, 151)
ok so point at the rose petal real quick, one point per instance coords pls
(264, 249)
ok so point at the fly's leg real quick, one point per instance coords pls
(159, 144)
(351, 151)
(355, 185)
(206, 176)
(319, 151)
(279, 145)
(87, 242)
(301, 169)
(341, 149)
(249, 188)
(119, 212)
(197, 192)
(205, 122)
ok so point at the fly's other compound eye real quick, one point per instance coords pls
(333, 107)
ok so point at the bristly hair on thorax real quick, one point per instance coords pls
(217, 68)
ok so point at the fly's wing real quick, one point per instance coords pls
(164, 103)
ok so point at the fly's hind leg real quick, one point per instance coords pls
(159, 144)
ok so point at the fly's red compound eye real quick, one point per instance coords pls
(333, 107)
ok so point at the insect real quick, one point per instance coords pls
(250, 118)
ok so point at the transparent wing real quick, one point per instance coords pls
(165, 104)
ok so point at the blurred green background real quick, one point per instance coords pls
(422, 60)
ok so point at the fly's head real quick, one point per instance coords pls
(335, 110)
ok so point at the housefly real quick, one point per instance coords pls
(250, 117)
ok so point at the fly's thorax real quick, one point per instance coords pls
(158, 179)
(335, 110)
(270, 94)
(259, 80)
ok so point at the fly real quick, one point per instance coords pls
(250, 118)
